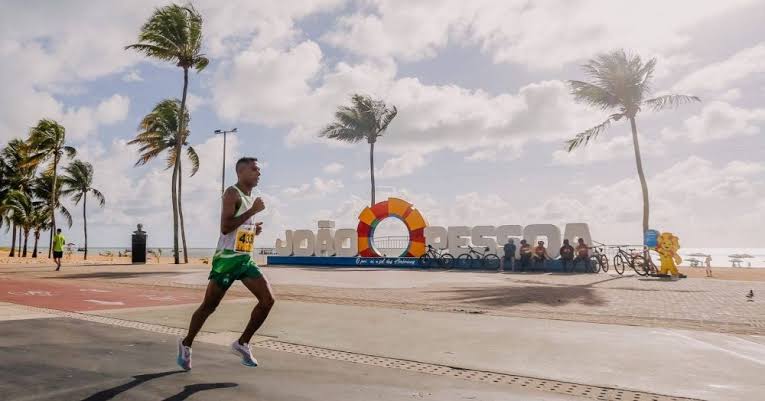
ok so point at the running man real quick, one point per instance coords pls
(58, 248)
(233, 261)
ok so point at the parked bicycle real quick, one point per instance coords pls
(624, 258)
(484, 259)
(599, 259)
(434, 257)
(642, 268)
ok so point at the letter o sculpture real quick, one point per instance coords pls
(370, 217)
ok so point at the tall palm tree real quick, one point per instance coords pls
(621, 83)
(174, 33)
(77, 183)
(48, 140)
(366, 119)
(42, 188)
(158, 132)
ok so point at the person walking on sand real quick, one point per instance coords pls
(58, 248)
(233, 261)
(708, 264)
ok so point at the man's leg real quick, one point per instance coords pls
(213, 296)
(262, 290)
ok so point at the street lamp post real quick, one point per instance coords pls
(223, 172)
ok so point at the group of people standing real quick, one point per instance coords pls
(536, 256)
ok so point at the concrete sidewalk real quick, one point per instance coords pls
(677, 362)
(62, 359)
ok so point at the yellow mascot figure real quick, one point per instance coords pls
(667, 246)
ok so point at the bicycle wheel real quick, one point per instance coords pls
(639, 266)
(619, 264)
(490, 261)
(446, 261)
(604, 263)
(464, 261)
(424, 260)
(594, 264)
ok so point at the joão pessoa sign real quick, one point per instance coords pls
(360, 242)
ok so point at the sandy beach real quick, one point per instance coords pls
(78, 259)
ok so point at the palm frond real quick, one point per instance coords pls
(70, 151)
(593, 95)
(67, 216)
(99, 197)
(585, 137)
(200, 63)
(669, 101)
(194, 158)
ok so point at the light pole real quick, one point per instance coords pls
(223, 178)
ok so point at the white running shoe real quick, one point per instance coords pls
(243, 351)
(184, 356)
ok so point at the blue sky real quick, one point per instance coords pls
(483, 112)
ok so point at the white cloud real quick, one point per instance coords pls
(316, 189)
(722, 74)
(607, 149)
(398, 166)
(194, 102)
(269, 86)
(132, 76)
(731, 95)
(333, 168)
(517, 31)
(718, 120)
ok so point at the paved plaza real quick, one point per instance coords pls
(361, 334)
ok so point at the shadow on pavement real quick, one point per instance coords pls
(195, 388)
(189, 390)
(108, 394)
(511, 296)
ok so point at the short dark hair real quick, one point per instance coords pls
(245, 160)
(58, 230)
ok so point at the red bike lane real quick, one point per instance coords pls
(88, 296)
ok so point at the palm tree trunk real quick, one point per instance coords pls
(641, 174)
(175, 215)
(26, 240)
(13, 243)
(53, 203)
(85, 221)
(180, 211)
(21, 235)
(178, 146)
(37, 238)
(372, 167)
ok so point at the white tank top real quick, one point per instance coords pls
(242, 239)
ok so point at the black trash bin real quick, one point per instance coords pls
(139, 246)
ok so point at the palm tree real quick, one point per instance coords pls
(366, 119)
(621, 82)
(174, 33)
(22, 208)
(42, 189)
(17, 176)
(48, 140)
(158, 134)
(40, 222)
(77, 183)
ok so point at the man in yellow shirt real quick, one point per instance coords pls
(58, 248)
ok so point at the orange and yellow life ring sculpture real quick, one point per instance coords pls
(370, 217)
